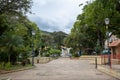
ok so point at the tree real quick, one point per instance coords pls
(58, 38)
(15, 34)
(16, 37)
(15, 6)
(10, 42)
(90, 28)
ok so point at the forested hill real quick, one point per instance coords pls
(53, 38)
(51, 33)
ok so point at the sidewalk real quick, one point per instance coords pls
(113, 71)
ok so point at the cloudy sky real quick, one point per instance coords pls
(55, 15)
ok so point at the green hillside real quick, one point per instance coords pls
(53, 38)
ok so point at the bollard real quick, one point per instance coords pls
(96, 62)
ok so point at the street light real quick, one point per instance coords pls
(107, 21)
(33, 33)
(96, 54)
(80, 49)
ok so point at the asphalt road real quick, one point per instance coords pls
(60, 69)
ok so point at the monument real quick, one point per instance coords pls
(65, 52)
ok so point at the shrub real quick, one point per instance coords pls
(8, 66)
(75, 55)
(85, 53)
(2, 65)
(28, 61)
(54, 52)
(47, 54)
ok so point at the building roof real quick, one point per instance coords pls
(114, 43)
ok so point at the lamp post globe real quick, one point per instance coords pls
(107, 21)
(33, 32)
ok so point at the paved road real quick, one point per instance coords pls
(60, 69)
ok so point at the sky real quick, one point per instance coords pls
(55, 15)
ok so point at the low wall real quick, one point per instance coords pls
(89, 57)
(115, 61)
(41, 59)
(98, 61)
(92, 59)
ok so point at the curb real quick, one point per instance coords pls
(110, 72)
(27, 68)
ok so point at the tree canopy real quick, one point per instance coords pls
(90, 28)
(15, 6)
(16, 37)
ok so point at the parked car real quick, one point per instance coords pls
(106, 51)
(94, 53)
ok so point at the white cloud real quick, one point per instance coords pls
(57, 15)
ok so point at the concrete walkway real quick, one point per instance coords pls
(60, 69)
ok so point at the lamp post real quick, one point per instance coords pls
(33, 33)
(80, 49)
(96, 55)
(107, 21)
